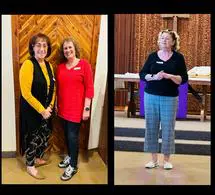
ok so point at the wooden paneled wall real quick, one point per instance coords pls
(136, 37)
(123, 43)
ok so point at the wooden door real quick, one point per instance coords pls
(85, 31)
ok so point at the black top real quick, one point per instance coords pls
(164, 87)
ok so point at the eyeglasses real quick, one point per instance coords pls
(38, 45)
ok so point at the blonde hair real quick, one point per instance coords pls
(174, 36)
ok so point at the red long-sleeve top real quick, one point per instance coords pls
(73, 86)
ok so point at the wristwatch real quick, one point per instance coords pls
(87, 108)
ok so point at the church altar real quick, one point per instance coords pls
(198, 75)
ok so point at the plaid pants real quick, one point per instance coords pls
(160, 110)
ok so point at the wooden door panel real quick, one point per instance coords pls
(84, 29)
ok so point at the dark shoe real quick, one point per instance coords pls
(65, 162)
(68, 173)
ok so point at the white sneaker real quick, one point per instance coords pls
(68, 173)
(167, 165)
(65, 162)
(151, 165)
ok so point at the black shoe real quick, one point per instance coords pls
(68, 173)
(65, 162)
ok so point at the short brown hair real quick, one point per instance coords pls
(33, 40)
(77, 49)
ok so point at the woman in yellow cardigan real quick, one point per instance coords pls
(38, 89)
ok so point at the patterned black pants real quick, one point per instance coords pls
(37, 143)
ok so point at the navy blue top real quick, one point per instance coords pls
(164, 87)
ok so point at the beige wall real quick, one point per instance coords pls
(99, 86)
(8, 102)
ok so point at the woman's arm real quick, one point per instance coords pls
(26, 79)
(87, 103)
(145, 72)
(155, 77)
(86, 112)
(175, 78)
(54, 91)
(89, 91)
(182, 69)
(181, 76)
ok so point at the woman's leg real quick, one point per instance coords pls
(66, 161)
(65, 127)
(34, 141)
(166, 157)
(154, 157)
(73, 142)
(168, 116)
(44, 134)
(152, 118)
(72, 134)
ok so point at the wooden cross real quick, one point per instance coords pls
(175, 18)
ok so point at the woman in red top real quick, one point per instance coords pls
(74, 93)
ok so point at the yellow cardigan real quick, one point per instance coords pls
(26, 79)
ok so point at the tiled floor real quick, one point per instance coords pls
(92, 172)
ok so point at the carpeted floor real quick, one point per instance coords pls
(186, 142)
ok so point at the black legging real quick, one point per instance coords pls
(37, 143)
(71, 132)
